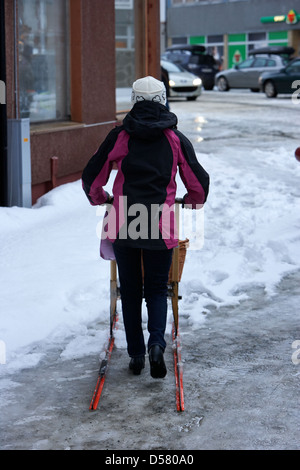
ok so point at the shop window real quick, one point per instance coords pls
(123, 4)
(179, 40)
(257, 37)
(125, 36)
(44, 60)
(125, 43)
(215, 38)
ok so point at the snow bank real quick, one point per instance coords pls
(53, 284)
(54, 287)
(252, 229)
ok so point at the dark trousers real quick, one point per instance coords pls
(157, 264)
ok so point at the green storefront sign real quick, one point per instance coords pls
(291, 18)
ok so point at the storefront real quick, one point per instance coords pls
(60, 77)
(230, 30)
(239, 45)
(60, 84)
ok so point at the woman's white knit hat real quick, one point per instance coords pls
(148, 89)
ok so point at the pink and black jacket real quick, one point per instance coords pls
(147, 151)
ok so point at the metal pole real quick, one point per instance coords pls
(3, 113)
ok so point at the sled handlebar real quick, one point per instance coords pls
(179, 200)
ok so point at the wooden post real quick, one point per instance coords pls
(54, 171)
(113, 293)
(147, 38)
(175, 274)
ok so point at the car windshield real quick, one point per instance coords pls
(181, 57)
(170, 67)
(294, 67)
(184, 56)
(202, 59)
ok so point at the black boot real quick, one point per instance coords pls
(137, 364)
(158, 368)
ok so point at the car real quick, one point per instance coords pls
(286, 80)
(194, 59)
(247, 73)
(179, 83)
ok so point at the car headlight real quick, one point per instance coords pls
(197, 81)
(171, 83)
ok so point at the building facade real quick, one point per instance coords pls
(58, 68)
(231, 28)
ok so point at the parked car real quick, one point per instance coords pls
(247, 73)
(194, 59)
(180, 83)
(281, 81)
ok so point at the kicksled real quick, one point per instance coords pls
(179, 254)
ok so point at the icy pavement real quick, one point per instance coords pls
(241, 389)
(239, 315)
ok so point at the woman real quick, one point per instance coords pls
(147, 150)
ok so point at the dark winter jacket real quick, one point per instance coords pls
(147, 150)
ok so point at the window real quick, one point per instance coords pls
(123, 4)
(260, 62)
(294, 68)
(43, 60)
(215, 38)
(125, 36)
(246, 64)
(253, 37)
(180, 40)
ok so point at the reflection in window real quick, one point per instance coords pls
(43, 60)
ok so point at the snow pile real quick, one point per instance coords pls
(252, 230)
(55, 288)
(52, 281)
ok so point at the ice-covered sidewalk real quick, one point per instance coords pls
(238, 313)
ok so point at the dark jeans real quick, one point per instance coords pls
(156, 270)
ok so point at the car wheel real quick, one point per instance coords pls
(222, 84)
(270, 89)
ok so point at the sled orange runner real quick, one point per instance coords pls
(173, 284)
(102, 371)
(178, 370)
(101, 380)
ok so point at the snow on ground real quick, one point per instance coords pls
(52, 282)
(252, 232)
(55, 286)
